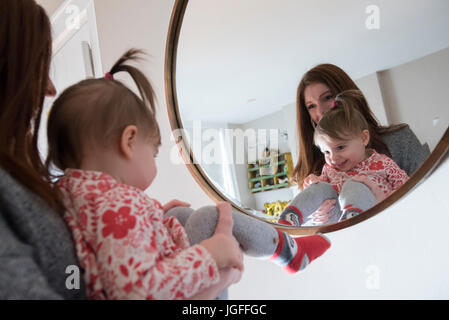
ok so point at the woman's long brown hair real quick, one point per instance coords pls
(311, 160)
(25, 55)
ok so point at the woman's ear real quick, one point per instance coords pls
(365, 137)
(128, 141)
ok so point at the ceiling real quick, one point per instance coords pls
(239, 60)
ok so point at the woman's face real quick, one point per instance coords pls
(318, 100)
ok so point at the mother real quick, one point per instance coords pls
(37, 255)
(315, 95)
(36, 247)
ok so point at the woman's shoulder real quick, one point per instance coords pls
(402, 131)
(12, 192)
(31, 223)
(405, 148)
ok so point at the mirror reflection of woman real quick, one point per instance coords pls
(354, 173)
(315, 96)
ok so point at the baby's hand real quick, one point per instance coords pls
(374, 188)
(223, 247)
(311, 179)
(173, 204)
(230, 276)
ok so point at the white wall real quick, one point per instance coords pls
(420, 85)
(407, 244)
(289, 113)
(370, 87)
(50, 6)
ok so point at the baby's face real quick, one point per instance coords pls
(343, 155)
(143, 169)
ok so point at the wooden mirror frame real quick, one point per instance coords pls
(426, 168)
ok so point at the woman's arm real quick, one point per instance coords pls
(20, 275)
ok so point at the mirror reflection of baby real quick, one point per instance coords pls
(105, 138)
(354, 178)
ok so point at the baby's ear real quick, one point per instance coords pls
(365, 137)
(128, 141)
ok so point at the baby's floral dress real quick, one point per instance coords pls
(379, 168)
(125, 245)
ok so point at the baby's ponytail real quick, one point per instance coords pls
(344, 120)
(143, 85)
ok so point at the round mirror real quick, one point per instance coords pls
(232, 73)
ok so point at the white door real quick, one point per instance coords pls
(76, 54)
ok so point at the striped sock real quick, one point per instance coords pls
(294, 254)
(291, 216)
(349, 211)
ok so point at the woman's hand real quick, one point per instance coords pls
(222, 246)
(175, 203)
(323, 214)
(374, 188)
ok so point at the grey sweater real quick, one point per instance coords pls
(406, 149)
(36, 247)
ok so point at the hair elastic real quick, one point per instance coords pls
(109, 76)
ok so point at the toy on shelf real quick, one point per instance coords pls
(271, 172)
(275, 208)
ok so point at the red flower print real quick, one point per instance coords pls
(91, 196)
(103, 186)
(157, 204)
(118, 223)
(90, 187)
(179, 295)
(211, 271)
(124, 270)
(83, 218)
(128, 287)
(76, 174)
(378, 165)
